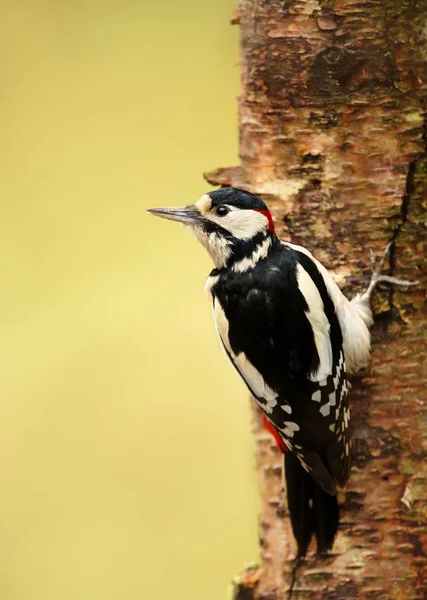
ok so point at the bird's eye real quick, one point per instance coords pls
(222, 210)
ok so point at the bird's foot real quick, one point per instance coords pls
(377, 276)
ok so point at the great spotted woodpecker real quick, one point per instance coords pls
(292, 336)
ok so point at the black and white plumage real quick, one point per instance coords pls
(291, 335)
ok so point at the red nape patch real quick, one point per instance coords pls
(267, 214)
(282, 446)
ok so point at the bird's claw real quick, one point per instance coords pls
(377, 276)
(395, 281)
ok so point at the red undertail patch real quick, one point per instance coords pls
(279, 441)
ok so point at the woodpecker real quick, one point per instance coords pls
(292, 336)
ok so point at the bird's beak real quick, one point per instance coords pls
(189, 215)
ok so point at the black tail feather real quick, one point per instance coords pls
(326, 518)
(312, 510)
(300, 490)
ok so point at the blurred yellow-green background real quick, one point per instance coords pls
(126, 466)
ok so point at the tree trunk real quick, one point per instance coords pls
(333, 138)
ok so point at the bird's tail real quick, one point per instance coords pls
(312, 510)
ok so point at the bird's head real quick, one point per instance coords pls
(230, 222)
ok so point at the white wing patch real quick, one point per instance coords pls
(318, 321)
(354, 316)
(250, 374)
(241, 223)
(289, 428)
(317, 396)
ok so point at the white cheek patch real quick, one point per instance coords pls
(242, 224)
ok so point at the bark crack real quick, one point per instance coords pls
(410, 188)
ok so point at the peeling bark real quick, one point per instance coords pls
(333, 137)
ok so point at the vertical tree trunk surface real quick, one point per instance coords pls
(333, 137)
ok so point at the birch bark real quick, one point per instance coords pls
(333, 136)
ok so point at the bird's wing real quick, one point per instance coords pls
(355, 317)
(262, 392)
(310, 412)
